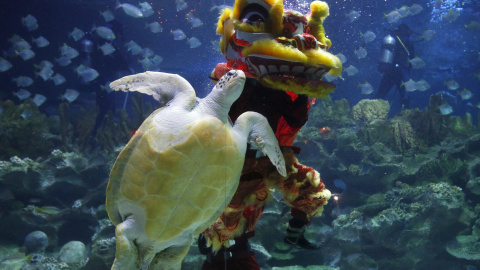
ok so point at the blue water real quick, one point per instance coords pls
(453, 53)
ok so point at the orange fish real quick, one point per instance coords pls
(324, 131)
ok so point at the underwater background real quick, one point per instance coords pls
(406, 180)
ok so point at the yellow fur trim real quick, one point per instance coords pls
(275, 21)
(225, 28)
(312, 58)
(320, 11)
(225, 15)
(245, 27)
(288, 85)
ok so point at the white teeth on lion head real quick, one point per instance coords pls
(272, 69)
(311, 71)
(263, 70)
(284, 69)
(298, 69)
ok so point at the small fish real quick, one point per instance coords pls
(22, 94)
(438, 4)
(39, 99)
(30, 22)
(146, 9)
(417, 63)
(195, 22)
(422, 85)
(157, 59)
(353, 15)
(366, 88)
(451, 16)
(23, 81)
(410, 86)
(465, 94)
(104, 32)
(147, 52)
(178, 34)
(63, 61)
(351, 70)
(404, 11)
(324, 131)
(107, 87)
(475, 75)
(107, 48)
(339, 183)
(77, 34)
(415, 9)
(154, 27)
(15, 38)
(4, 65)
(392, 17)
(45, 73)
(21, 44)
(70, 95)
(146, 63)
(181, 5)
(44, 64)
(26, 54)
(41, 42)
(448, 94)
(107, 15)
(129, 9)
(428, 34)
(445, 109)
(58, 79)
(89, 74)
(26, 114)
(80, 69)
(193, 42)
(134, 48)
(361, 53)
(340, 56)
(473, 26)
(69, 52)
(368, 36)
(452, 85)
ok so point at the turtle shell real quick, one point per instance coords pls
(181, 180)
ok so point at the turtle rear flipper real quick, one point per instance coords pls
(261, 135)
(164, 87)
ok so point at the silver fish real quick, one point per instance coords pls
(130, 10)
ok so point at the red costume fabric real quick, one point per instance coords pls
(302, 188)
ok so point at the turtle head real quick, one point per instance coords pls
(228, 88)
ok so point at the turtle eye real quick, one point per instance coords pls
(254, 14)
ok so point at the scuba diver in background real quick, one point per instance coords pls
(397, 50)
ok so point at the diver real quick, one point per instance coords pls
(397, 50)
(284, 113)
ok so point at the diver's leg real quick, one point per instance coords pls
(403, 76)
(385, 85)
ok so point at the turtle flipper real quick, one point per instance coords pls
(164, 87)
(261, 135)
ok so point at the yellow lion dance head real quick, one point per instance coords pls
(282, 48)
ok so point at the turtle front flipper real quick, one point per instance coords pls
(261, 135)
(164, 87)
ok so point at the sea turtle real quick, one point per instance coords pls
(180, 169)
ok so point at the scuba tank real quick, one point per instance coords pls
(386, 58)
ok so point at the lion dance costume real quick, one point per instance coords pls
(284, 55)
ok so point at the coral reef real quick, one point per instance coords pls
(24, 131)
(411, 197)
(370, 110)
